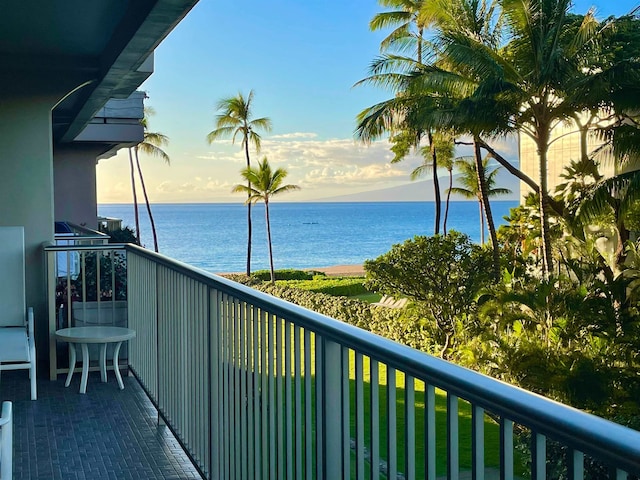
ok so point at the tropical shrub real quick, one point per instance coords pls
(346, 286)
(286, 274)
(442, 275)
(402, 326)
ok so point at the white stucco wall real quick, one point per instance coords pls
(74, 173)
(564, 148)
(26, 191)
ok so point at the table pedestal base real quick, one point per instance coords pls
(85, 364)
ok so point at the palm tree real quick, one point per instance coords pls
(443, 145)
(151, 145)
(262, 184)
(470, 185)
(236, 118)
(408, 34)
(407, 29)
(136, 216)
(530, 81)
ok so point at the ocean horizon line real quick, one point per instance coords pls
(324, 202)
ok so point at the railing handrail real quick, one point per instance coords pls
(74, 248)
(588, 433)
(86, 232)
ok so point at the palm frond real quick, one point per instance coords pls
(218, 133)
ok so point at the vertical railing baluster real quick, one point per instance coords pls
(255, 380)
(264, 391)
(331, 412)
(538, 456)
(241, 368)
(272, 396)
(227, 386)
(288, 405)
(477, 443)
(430, 431)
(112, 255)
(576, 465)
(346, 414)
(279, 400)
(297, 354)
(453, 457)
(410, 427)
(308, 414)
(215, 394)
(392, 454)
(250, 408)
(236, 459)
(359, 418)
(319, 414)
(375, 418)
(506, 449)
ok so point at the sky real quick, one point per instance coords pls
(301, 59)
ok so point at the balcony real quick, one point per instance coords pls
(254, 387)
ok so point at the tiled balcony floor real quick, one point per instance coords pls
(105, 434)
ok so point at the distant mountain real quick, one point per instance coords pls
(422, 191)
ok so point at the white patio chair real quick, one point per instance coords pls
(17, 344)
(6, 442)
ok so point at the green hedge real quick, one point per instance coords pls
(346, 287)
(286, 274)
(403, 326)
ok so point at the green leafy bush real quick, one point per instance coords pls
(346, 287)
(442, 274)
(286, 274)
(403, 326)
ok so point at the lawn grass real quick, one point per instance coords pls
(491, 429)
(492, 432)
(367, 297)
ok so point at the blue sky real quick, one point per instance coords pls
(302, 59)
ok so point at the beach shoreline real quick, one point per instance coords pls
(356, 270)
(340, 270)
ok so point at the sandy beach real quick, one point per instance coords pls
(332, 271)
(341, 270)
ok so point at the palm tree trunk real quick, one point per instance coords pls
(436, 183)
(547, 258)
(146, 200)
(266, 212)
(482, 184)
(135, 198)
(481, 214)
(446, 208)
(249, 233)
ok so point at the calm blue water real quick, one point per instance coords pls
(305, 235)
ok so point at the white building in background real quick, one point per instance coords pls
(564, 148)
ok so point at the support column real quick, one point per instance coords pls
(26, 192)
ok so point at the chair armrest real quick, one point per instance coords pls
(30, 322)
(6, 413)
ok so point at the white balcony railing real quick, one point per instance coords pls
(255, 387)
(87, 285)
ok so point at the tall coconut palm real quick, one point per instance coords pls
(151, 145)
(408, 31)
(263, 183)
(443, 145)
(530, 79)
(136, 215)
(236, 118)
(408, 35)
(470, 185)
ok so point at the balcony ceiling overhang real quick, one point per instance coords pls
(96, 49)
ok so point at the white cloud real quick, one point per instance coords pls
(165, 187)
(294, 135)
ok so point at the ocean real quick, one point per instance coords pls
(305, 235)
